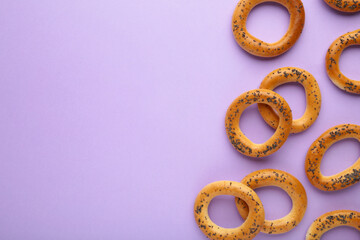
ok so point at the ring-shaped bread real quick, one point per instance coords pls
(238, 138)
(258, 47)
(316, 152)
(248, 230)
(349, 6)
(332, 220)
(332, 62)
(285, 181)
(313, 96)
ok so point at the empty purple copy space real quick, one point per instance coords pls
(112, 116)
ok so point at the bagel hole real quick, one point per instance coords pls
(349, 62)
(268, 21)
(342, 232)
(253, 125)
(276, 202)
(340, 155)
(223, 212)
(294, 95)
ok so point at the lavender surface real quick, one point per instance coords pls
(112, 116)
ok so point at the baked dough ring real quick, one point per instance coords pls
(247, 230)
(260, 48)
(237, 137)
(285, 181)
(313, 96)
(344, 5)
(332, 61)
(316, 152)
(332, 220)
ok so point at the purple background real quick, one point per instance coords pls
(112, 116)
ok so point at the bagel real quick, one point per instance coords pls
(288, 183)
(248, 230)
(332, 62)
(313, 96)
(341, 180)
(237, 137)
(258, 47)
(332, 220)
(344, 5)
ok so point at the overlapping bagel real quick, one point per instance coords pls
(313, 96)
(248, 230)
(238, 138)
(285, 181)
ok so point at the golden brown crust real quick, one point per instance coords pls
(344, 5)
(332, 220)
(285, 181)
(247, 230)
(313, 96)
(332, 61)
(260, 48)
(237, 137)
(341, 180)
